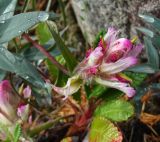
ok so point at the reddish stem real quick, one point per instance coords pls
(46, 53)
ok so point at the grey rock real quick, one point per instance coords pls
(94, 15)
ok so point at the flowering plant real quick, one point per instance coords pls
(104, 65)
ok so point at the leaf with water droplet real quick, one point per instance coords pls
(20, 66)
(43, 16)
(20, 23)
(7, 8)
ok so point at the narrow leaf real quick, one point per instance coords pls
(68, 56)
(143, 68)
(152, 53)
(155, 22)
(145, 31)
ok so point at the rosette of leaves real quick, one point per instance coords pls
(151, 44)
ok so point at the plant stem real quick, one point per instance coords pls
(44, 51)
(25, 5)
(36, 130)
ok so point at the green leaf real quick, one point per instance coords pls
(4, 129)
(33, 54)
(43, 33)
(7, 6)
(22, 22)
(55, 74)
(146, 18)
(102, 130)
(17, 133)
(137, 78)
(98, 36)
(143, 68)
(68, 56)
(145, 31)
(53, 70)
(156, 41)
(152, 53)
(20, 66)
(97, 91)
(155, 22)
(116, 110)
(112, 94)
(2, 74)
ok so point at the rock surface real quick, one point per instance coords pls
(94, 15)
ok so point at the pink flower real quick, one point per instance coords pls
(27, 92)
(108, 60)
(9, 103)
(23, 111)
(114, 56)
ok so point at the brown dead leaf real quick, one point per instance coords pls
(149, 118)
(151, 138)
(146, 97)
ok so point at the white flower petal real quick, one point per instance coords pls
(124, 87)
(118, 66)
(73, 85)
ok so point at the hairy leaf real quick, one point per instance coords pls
(17, 133)
(102, 130)
(116, 110)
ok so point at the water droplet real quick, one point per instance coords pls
(1, 49)
(29, 20)
(10, 56)
(2, 21)
(19, 31)
(43, 16)
(27, 77)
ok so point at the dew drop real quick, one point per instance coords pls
(1, 49)
(2, 21)
(43, 16)
(27, 77)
